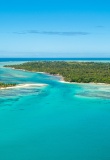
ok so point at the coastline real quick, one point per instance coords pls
(25, 86)
(62, 78)
(91, 83)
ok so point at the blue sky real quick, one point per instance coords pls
(54, 28)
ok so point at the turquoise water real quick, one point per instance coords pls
(58, 121)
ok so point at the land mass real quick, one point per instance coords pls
(81, 72)
(6, 85)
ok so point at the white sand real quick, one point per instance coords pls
(26, 86)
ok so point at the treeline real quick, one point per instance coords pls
(5, 85)
(85, 72)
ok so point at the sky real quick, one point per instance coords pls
(55, 28)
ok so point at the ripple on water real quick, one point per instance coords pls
(11, 96)
(94, 91)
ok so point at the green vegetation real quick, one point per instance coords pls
(84, 72)
(5, 85)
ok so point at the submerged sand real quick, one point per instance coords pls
(26, 86)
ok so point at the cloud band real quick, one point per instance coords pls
(54, 33)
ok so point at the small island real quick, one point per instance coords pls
(80, 72)
(6, 85)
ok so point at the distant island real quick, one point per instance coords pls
(81, 72)
(5, 85)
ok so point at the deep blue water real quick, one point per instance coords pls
(54, 59)
(58, 121)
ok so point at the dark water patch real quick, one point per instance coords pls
(21, 109)
(52, 59)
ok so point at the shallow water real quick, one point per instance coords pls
(55, 122)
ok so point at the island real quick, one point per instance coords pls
(81, 72)
(6, 85)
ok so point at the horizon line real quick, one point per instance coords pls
(51, 57)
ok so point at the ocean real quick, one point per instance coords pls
(55, 59)
(53, 120)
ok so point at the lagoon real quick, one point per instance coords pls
(54, 121)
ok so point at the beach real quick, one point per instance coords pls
(25, 86)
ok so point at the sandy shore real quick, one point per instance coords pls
(63, 81)
(25, 86)
(91, 83)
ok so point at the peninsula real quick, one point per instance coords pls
(6, 85)
(81, 72)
